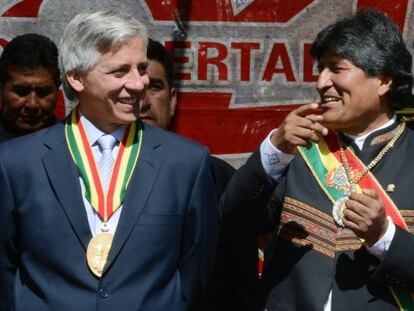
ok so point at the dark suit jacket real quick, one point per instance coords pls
(222, 174)
(4, 133)
(164, 244)
(298, 274)
(235, 283)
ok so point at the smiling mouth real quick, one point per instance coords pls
(129, 101)
(326, 100)
(31, 118)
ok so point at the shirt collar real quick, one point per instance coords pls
(93, 133)
(360, 140)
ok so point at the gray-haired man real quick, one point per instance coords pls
(107, 213)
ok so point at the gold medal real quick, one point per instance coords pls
(97, 252)
(338, 210)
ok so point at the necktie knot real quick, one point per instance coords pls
(106, 142)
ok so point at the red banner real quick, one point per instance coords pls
(242, 65)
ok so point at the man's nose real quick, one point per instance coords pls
(32, 100)
(324, 79)
(136, 81)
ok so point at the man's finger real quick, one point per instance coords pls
(304, 110)
(357, 207)
(371, 193)
(314, 118)
(313, 122)
(307, 135)
(352, 216)
(368, 197)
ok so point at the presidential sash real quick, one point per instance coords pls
(324, 161)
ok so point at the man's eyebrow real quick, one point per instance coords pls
(158, 80)
(21, 84)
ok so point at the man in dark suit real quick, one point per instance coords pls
(29, 81)
(342, 214)
(106, 213)
(160, 102)
(235, 282)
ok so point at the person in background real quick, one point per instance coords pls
(106, 213)
(342, 214)
(234, 282)
(29, 81)
(160, 103)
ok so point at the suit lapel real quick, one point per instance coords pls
(139, 189)
(64, 179)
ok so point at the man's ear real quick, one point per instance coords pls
(173, 100)
(385, 85)
(75, 80)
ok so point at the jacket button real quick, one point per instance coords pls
(103, 292)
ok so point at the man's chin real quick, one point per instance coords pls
(149, 121)
(128, 118)
(330, 117)
(29, 129)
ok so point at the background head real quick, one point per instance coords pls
(29, 51)
(157, 52)
(89, 35)
(161, 98)
(29, 80)
(372, 42)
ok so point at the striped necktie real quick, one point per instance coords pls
(106, 144)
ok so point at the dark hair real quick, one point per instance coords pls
(156, 51)
(372, 42)
(29, 51)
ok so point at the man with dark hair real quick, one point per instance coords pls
(333, 182)
(29, 81)
(158, 107)
(234, 280)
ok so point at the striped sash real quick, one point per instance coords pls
(324, 161)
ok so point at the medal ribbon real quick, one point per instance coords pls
(323, 158)
(126, 160)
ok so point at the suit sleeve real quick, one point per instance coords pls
(248, 202)
(397, 268)
(222, 175)
(8, 249)
(200, 235)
